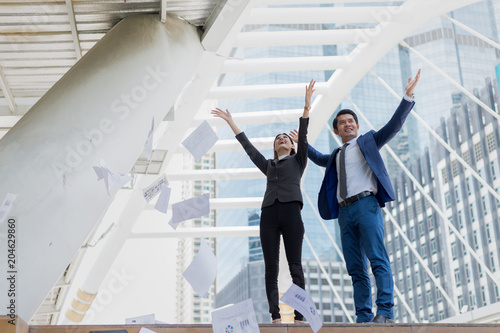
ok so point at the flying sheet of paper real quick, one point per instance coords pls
(144, 320)
(189, 209)
(7, 204)
(202, 271)
(162, 202)
(148, 146)
(152, 190)
(111, 179)
(237, 318)
(300, 300)
(200, 141)
(146, 330)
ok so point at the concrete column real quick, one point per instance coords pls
(101, 109)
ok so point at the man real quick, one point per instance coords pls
(355, 186)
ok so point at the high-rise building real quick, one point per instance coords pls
(191, 307)
(254, 245)
(464, 57)
(467, 206)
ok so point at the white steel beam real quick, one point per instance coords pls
(263, 91)
(216, 174)
(258, 117)
(445, 145)
(224, 24)
(7, 122)
(286, 64)
(472, 31)
(309, 37)
(227, 145)
(232, 203)
(234, 145)
(163, 11)
(4, 85)
(227, 203)
(452, 81)
(412, 14)
(314, 15)
(18, 101)
(309, 2)
(74, 30)
(247, 231)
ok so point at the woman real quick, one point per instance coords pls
(282, 202)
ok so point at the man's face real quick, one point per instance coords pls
(347, 128)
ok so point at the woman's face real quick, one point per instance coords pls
(283, 143)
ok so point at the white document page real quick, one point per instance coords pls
(300, 300)
(111, 178)
(237, 318)
(146, 319)
(152, 190)
(202, 271)
(189, 209)
(200, 141)
(146, 330)
(162, 202)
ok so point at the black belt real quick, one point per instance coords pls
(355, 198)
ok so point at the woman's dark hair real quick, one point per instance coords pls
(341, 112)
(274, 142)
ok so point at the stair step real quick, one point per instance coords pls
(283, 328)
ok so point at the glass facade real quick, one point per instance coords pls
(467, 60)
(467, 221)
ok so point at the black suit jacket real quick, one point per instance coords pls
(283, 176)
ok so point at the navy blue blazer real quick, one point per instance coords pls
(369, 144)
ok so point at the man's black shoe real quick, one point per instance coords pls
(382, 320)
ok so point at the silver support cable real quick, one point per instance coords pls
(441, 141)
(407, 307)
(472, 31)
(329, 281)
(337, 248)
(429, 199)
(450, 79)
(421, 261)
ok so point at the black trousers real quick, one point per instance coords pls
(281, 218)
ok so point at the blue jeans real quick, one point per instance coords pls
(362, 236)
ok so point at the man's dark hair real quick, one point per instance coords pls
(344, 111)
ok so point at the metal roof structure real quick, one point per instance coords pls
(41, 40)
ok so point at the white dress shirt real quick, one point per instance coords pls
(359, 175)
